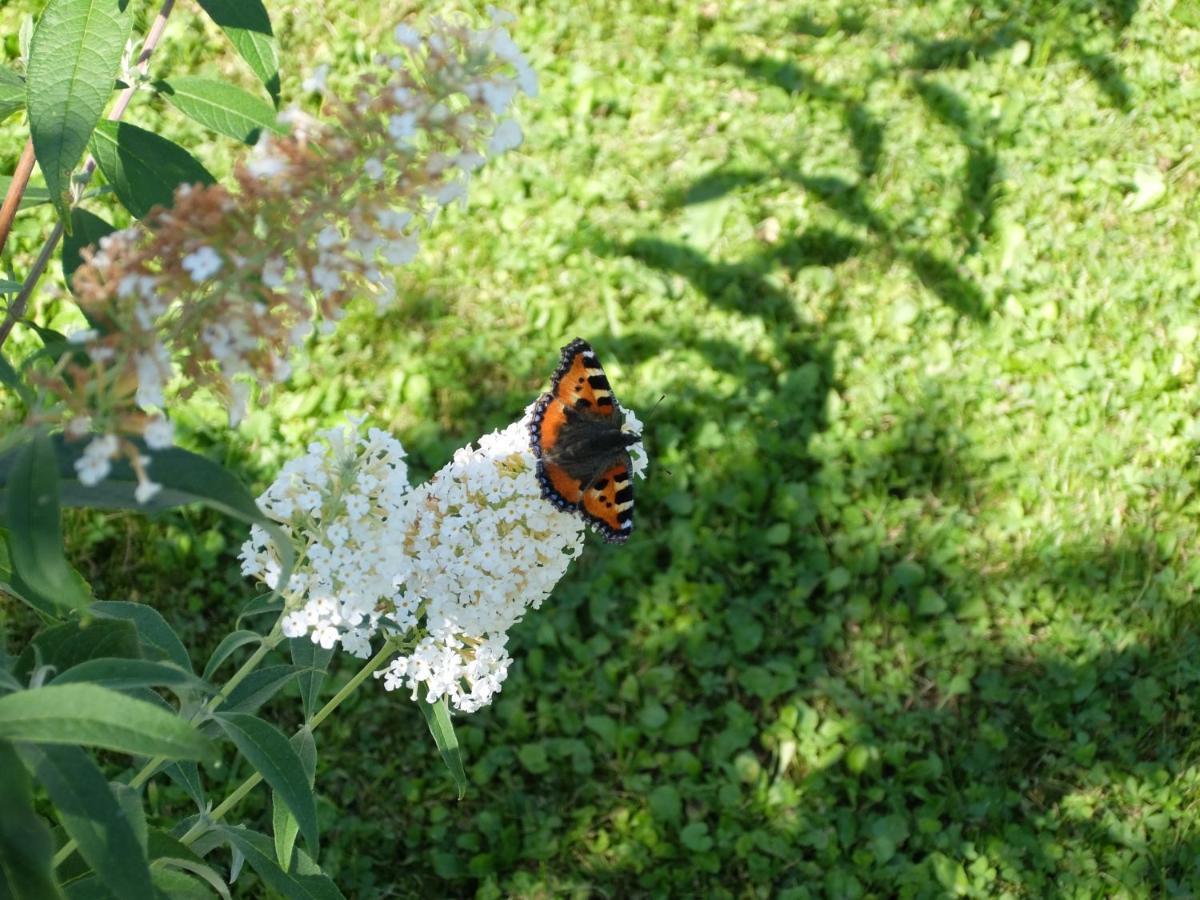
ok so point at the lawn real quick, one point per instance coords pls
(910, 607)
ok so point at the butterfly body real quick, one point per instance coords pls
(582, 450)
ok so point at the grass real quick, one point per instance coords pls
(911, 605)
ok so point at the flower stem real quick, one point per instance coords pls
(251, 782)
(150, 769)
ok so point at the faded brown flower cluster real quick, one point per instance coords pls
(222, 286)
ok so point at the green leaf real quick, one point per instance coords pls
(315, 660)
(156, 636)
(98, 717)
(71, 643)
(283, 823)
(261, 605)
(12, 93)
(124, 674)
(437, 717)
(167, 852)
(257, 850)
(33, 196)
(26, 846)
(249, 28)
(229, 644)
(225, 108)
(258, 687)
(73, 59)
(144, 168)
(91, 816)
(265, 748)
(130, 801)
(10, 379)
(186, 774)
(185, 478)
(177, 885)
(35, 527)
(86, 230)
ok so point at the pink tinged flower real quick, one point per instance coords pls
(328, 236)
(159, 433)
(499, 16)
(374, 169)
(150, 370)
(507, 137)
(403, 251)
(469, 160)
(451, 191)
(401, 128)
(95, 463)
(202, 264)
(326, 278)
(273, 271)
(315, 82)
(498, 94)
(146, 490)
(79, 426)
(239, 396)
(407, 36)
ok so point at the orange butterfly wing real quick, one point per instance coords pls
(580, 381)
(609, 502)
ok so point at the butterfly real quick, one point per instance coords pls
(582, 452)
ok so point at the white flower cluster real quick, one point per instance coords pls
(451, 565)
(340, 502)
(430, 150)
(482, 547)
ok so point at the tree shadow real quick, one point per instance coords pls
(1076, 27)
(851, 200)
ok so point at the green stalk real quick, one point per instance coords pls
(269, 643)
(251, 782)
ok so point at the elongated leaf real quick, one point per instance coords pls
(223, 107)
(186, 774)
(260, 606)
(249, 28)
(158, 640)
(35, 527)
(257, 850)
(258, 687)
(130, 801)
(124, 674)
(437, 717)
(11, 380)
(33, 196)
(176, 885)
(186, 478)
(91, 816)
(97, 717)
(86, 230)
(265, 748)
(12, 93)
(71, 643)
(73, 60)
(229, 644)
(144, 168)
(283, 823)
(315, 659)
(25, 843)
(167, 852)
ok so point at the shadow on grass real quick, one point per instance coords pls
(1074, 27)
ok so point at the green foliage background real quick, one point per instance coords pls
(910, 607)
